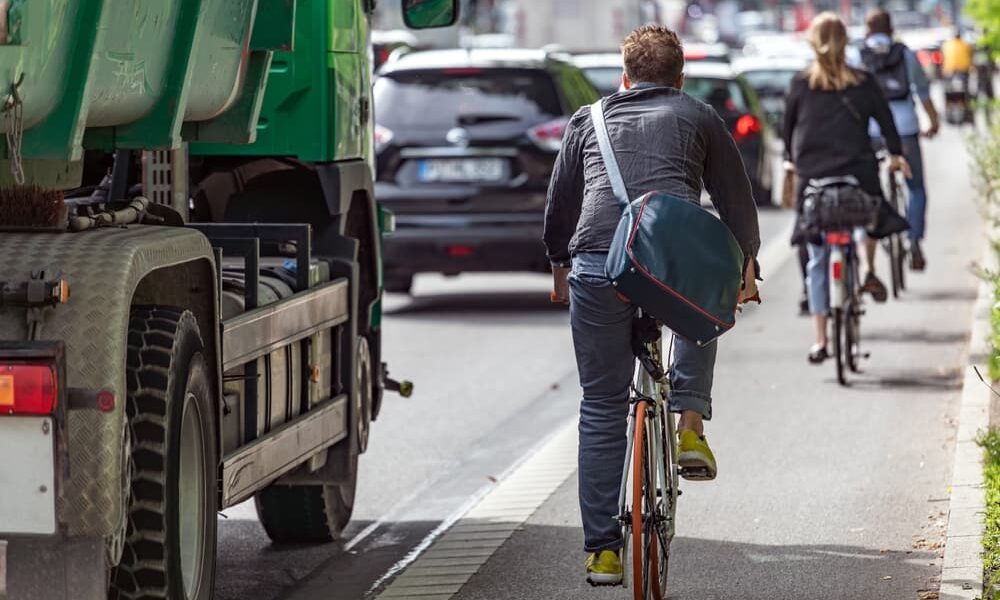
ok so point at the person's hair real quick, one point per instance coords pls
(828, 38)
(879, 21)
(654, 54)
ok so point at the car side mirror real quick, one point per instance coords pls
(427, 14)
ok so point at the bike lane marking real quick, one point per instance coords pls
(450, 556)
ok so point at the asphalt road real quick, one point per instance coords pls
(823, 492)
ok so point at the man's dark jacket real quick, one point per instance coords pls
(664, 140)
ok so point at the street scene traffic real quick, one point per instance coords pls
(479, 299)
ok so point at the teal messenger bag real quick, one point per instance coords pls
(670, 257)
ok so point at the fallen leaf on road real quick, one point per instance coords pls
(856, 529)
(928, 595)
(887, 578)
(966, 586)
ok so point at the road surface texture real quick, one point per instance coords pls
(823, 492)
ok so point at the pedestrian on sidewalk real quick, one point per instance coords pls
(902, 79)
(668, 141)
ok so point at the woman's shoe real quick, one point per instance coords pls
(817, 354)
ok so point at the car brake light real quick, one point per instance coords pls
(382, 137)
(695, 55)
(28, 388)
(548, 136)
(746, 126)
(937, 57)
(459, 251)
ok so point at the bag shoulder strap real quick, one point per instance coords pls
(608, 153)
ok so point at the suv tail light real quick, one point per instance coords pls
(28, 388)
(548, 136)
(746, 126)
(383, 136)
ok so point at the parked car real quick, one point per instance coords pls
(465, 143)
(770, 78)
(729, 93)
(603, 69)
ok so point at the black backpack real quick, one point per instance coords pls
(889, 69)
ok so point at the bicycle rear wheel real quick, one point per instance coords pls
(650, 542)
(897, 262)
(852, 335)
(840, 348)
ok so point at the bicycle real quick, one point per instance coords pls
(897, 251)
(845, 303)
(651, 474)
(894, 245)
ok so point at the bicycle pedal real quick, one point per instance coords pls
(696, 474)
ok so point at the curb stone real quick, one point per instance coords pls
(962, 571)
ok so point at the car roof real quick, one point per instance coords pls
(473, 57)
(692, 68)
(709, 69)
(598, 60)
(775, 63)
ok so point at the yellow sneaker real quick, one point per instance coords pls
(604, 568)
(695, 457)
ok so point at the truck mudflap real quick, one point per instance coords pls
(106, 269)
(53, 569)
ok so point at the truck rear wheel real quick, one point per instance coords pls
(171, 537)
(307, 513)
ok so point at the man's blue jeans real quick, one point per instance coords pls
(917, 209)
(602, 335)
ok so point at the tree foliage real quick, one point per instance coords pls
(986, 13)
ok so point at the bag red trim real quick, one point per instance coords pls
(665, 287)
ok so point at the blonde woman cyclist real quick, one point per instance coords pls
(826, 135)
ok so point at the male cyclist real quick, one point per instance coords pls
(902, 79)
(664, 140)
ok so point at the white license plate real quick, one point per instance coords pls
(27, 476)
(463, 169)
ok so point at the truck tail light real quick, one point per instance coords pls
(28, 388)
(548, 136)
(746, 126)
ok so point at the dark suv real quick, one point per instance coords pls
(465, 142)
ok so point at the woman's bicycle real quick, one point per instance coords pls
(845, 303)
(649, 490)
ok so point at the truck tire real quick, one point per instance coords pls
(171, 536)
(307, 513)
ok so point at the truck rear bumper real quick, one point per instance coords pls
(53, 569)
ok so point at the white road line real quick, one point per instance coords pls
(773, 256)
(462, 544)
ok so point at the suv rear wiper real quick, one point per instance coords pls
(474, 119)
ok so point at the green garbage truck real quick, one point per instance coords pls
(190, 282)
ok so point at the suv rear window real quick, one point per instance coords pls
(446, 97)
(724, 95)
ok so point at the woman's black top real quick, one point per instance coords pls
(826, 132)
